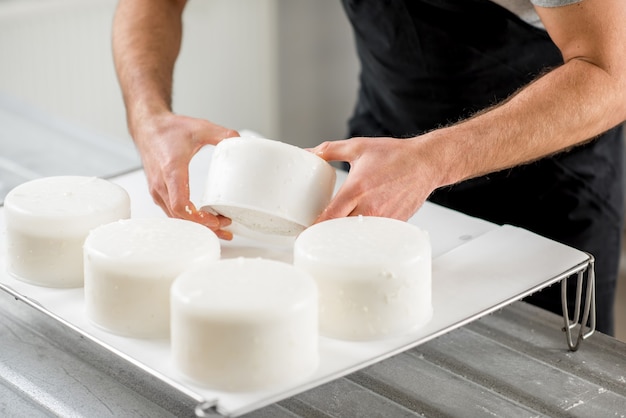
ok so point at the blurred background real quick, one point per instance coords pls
(283, 68)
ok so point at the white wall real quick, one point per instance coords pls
(227, 70)
(318, 71)
(284, 68)
(55, 55)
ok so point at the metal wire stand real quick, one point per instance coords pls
(587, 324)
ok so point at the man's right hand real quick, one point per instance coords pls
(146, 41)
(167, 142)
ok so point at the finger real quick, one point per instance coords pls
(340, 206)
(356, 212)
(343, 150)
(216, 223)
(214, 134)
(159, 201)
(177, 198)
(222, 134)
(224, 234)
(157, 190)
(223, 223)
(212, 221)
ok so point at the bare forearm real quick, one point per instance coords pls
(570, 105)
(564, 108)
(146, 42)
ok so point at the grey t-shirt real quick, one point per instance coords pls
(524, 8)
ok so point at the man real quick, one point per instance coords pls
(461, 101)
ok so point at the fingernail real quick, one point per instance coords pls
(225, 235)
(207, 219)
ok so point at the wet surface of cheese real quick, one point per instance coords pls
(130, 266)
(373, 274)
(48, 220)
(244, 323)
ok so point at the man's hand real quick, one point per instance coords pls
(146, 41)
(167, 144)
(388, 177)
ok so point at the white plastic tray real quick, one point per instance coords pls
(478, 267)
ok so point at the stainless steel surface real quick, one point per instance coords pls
(34, 145)
(586, 322)
(511, 363)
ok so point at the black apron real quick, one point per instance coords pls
(429, 63)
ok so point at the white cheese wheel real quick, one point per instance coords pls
(130, 266)
(47, 221)
(374, 276)
(268, 186)
(244, 324)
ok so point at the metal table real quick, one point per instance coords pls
(511, 363)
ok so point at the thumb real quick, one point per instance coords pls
(335, 150)
(341, 205)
